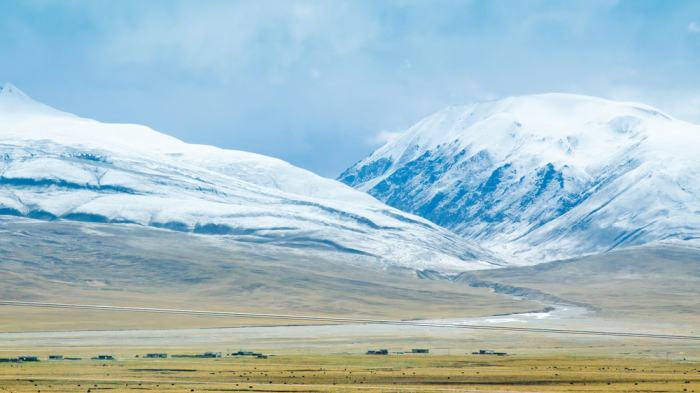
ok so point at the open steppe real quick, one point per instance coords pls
(347, 373)
(655, 282)
(128, 265)
(652, 289)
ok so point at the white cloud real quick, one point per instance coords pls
(693, 28)
(382, 137)
(229, 39)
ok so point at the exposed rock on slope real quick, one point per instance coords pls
(544, 177)
(56, 166)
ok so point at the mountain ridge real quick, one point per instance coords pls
(59, 166)
(544, 177)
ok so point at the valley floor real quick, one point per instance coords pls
(348, 373)
(642, 290)
(128, 265)
(359, 338)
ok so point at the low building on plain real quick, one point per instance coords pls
(249, 353)
(489, 352)
(205, 355)
(103, 357)
(420, 351)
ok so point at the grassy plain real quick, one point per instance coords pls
(647, 283)
(345, 373)
(127, 265)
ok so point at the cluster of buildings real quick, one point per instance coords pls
(209, 354)
(420, 350)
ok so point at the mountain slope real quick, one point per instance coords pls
(652, 282)
(67, 261)
(56, 166)
(544, 177)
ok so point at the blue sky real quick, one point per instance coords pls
(321, 84)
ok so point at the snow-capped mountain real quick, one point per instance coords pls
(57, 166)
(544, 177)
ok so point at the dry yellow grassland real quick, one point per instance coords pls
(340, 373)
(130, 266)
(652, 283)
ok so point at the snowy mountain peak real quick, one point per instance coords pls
(15, 103)
(544, 176)
(56, 166)
(9, 90)
(500, 124)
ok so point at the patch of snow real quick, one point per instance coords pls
(544, 177)
(56, 166)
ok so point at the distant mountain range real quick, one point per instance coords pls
(521, 180)
(544, 177)
(57, 166)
